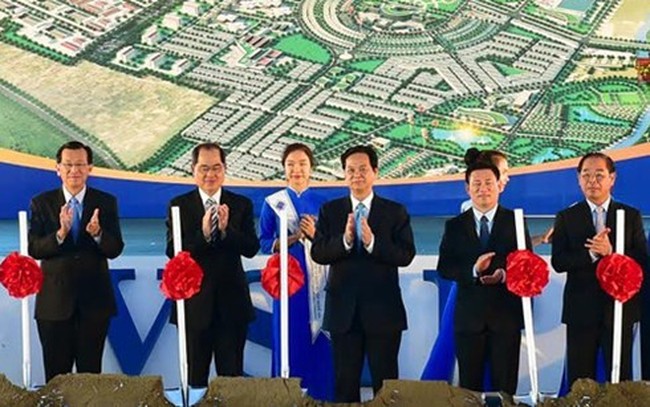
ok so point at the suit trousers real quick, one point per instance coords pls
(349, 350)
(76, 341)
(223, 342)
(583, 343)
(500, 348)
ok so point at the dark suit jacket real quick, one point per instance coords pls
(585, 303)
(76, 274)
(224, 294)
(362, 282)
(477, 305)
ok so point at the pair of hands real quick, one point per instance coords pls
(223, 212)
(599, 245)
(350, 232)
(481, 266)
(307, 230)
(66, 214)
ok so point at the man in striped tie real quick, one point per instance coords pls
(217, 229)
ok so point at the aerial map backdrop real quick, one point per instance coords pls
(144, 81)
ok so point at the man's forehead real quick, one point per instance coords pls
(212, 157)
(594, 163)
(482, 175)
(73, 153)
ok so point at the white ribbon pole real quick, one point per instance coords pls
(180, 311)
(24, 307)
(528, 315)
(618, 306)
(284, 294)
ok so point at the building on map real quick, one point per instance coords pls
(172, 21)
(151, 36)
(125, 54)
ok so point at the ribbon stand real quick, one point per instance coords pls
(528, 315)
(180, 313)
(24, 308)
(618, 306)
(284, 293)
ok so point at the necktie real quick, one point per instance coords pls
(484, 232)
(359, 212)
(76, 218)
(599, 219)
(211, 205)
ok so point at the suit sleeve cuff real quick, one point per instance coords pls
(347, 246)
(371, 246)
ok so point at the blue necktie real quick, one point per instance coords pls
(599, 219)
(360, 212)
(76, 218)
(484, 232)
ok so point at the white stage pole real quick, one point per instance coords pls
(528, 315)
(284, 294)
(180, 312)
(24, 308)
(618, 306)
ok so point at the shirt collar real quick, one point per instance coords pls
(216, 197)
(80, 196)
(489, 214)
(605, 205)
(366, 202)
(298, 194)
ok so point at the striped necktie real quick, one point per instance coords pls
(211, 205)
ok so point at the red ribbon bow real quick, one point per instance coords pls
(526, 273)
(21, 275)
(620, 276)
(271, 276)
(182, 277)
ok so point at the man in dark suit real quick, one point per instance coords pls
(585, 233)
(217, 229)
(488, 318)
(364, 238)
(73, 231)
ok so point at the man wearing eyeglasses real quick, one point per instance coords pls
(364, 238)
(584, 234)
(74, 230)
(217, 229)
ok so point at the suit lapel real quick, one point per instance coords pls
(347, 207)
(587, 218)
(374, 215)
(470, 227)
(58, 202)
(89, 205)
(498, 225)
(196, 206)
(610, 222)
(226, 199)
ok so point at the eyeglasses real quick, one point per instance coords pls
(354, 171)
(593, 177)
(217, 169)
(70, 167)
